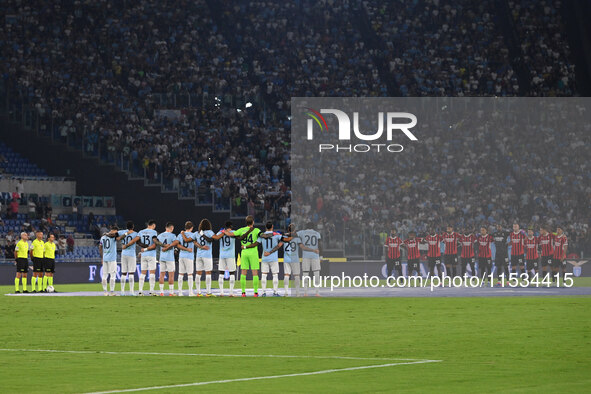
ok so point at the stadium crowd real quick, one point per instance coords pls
(100, 72)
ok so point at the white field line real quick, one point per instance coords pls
(209, 355)
(265, 377)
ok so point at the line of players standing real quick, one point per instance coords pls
(195, 256)
(527, 252)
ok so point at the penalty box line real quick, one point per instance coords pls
(213, 355)
(326, 371)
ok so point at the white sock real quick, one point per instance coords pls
(190, 279)
(208, 283)
(198, 283)
(171, 287)
(112, 282)
(161, 287)
(275, 283)
(221, 283)
(131, 278)
(141, 282)
(264, 282)
(286, 283)
(317, 282)
(152, 282)
(180, 280)
(306, 282)
(297, 284)
(123, 280)
(232, 280)
(104, 283)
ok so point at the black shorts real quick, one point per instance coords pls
(516, 260)
(532, 263)
(413, 264)
(557, 263)
(501, 260)
(484, 262)
(22, 265)
(391, 264)
(468, 260)
(546, 261)
(37, 264)
(433, 260)
(450, 259)
(49, 265)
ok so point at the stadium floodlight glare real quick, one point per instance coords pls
(248, 105)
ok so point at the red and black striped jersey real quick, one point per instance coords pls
(484, 243)
(531, 248)
(434, 242)
(467, 242)
(546, 244)
(412, 246)
(560, 244)
(393, 245)
(516, 241)
(450, 241)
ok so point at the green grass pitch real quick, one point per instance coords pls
(500, 344)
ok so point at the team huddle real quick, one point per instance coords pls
(195, 256)
(544, 254)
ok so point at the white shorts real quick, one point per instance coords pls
(148, 263)
(204, 264)
(128, 264)
(166, 266)
(272, 266)
(186, 266)
(227, 263)
(291, 268)
(109, 267)
(310, 264)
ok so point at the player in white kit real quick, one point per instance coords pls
(227, 260)
(145, 239)
(186, 258)
(128, 258)
(271, 243)
(310, 245)
(291, 260)
(108, 251)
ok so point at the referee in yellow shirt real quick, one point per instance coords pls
(37, 252)
(49, 262)
(21, 255)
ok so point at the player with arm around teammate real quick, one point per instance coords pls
(227, 257)
(310, 245)
(485, 241)
(186, 258)
(203, 239)
(291, 260)
(128, 257)
(145, 239)
(167, 241)
(108, 250)
(270, 259)
(249, 257)
(393, 255)
(560, 247)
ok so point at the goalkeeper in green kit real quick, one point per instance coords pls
(249, 258)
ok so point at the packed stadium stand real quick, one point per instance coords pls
(194, 96)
